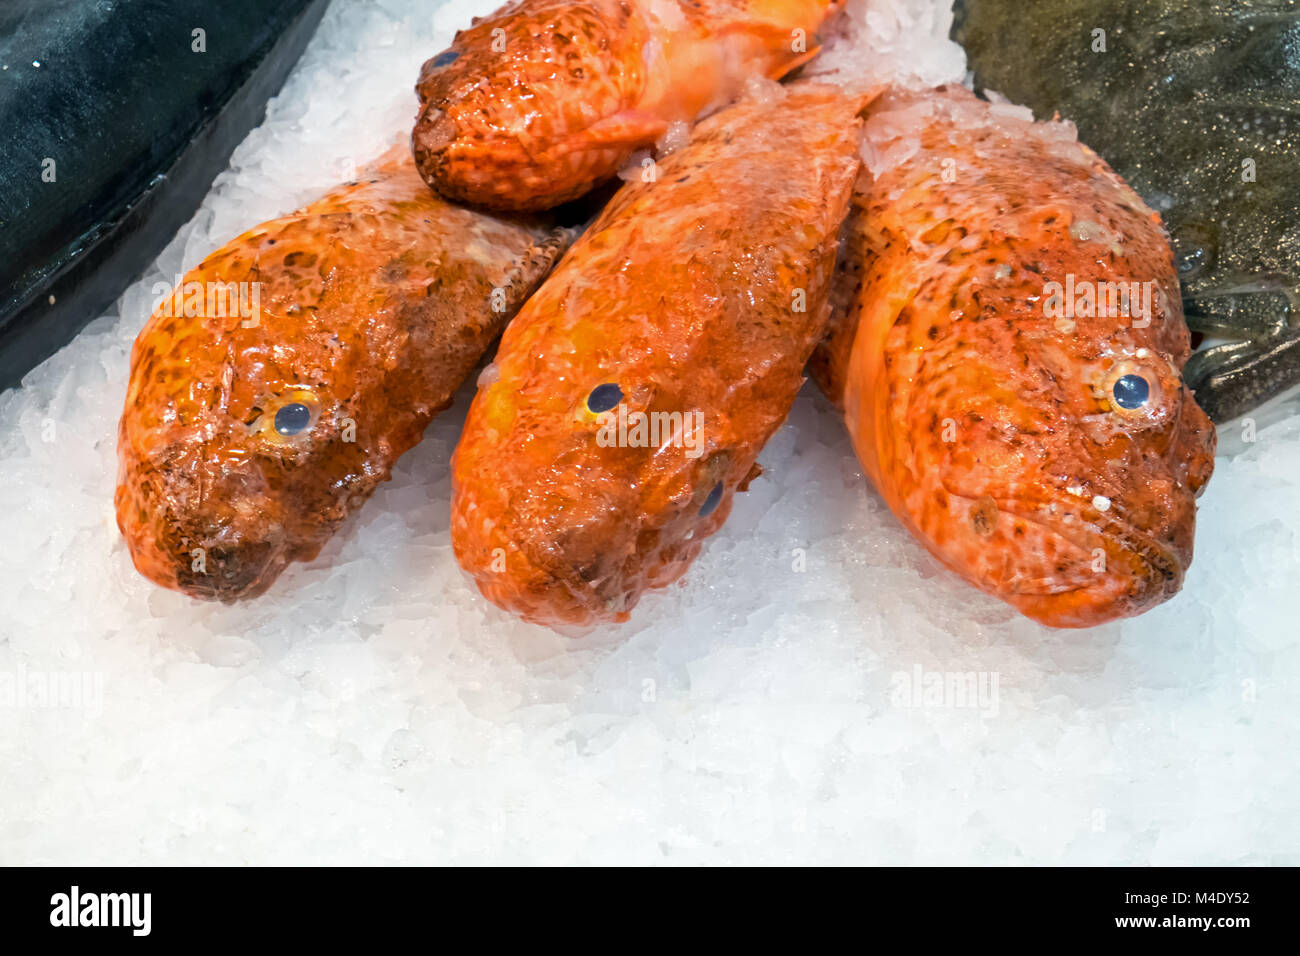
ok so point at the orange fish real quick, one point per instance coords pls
(631, 395)
(1007, 351)
(274, 390)
(535, 104)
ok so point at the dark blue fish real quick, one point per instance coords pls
(117, 116)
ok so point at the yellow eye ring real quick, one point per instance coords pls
(1136, 391)
(288, 418)
(600, 400)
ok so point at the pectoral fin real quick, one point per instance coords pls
(626, 129)
(789, 66)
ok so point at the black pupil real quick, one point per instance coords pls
(446, 58)
(604, 397)
(1131, 391)
(292, 418)
(711, 502)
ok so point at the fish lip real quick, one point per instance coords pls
(236, 567)
(240, 560)
(1153, 560)
(232, 572)
(1156, 563)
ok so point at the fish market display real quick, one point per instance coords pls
(1194, 102)
(103, 163)
(631, 395)
(1007, 348)
(540, 101)
(273, 390)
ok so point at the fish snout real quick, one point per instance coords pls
(434, 133)
(467, 160)
(210, 530)
(577, 550)
(1089, 562)
(567, 548)
(524, 115)
(229, 564)
(1139, 535)
(1119, 579)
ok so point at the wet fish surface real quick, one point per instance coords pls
(275, 388)
(543, 99)
(1006, 346)
(632, 394)
(1196, 103)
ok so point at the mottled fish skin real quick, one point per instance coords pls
(703, 292)
(991, 428)
(376, 302)
(539, 102)
(1184, 95)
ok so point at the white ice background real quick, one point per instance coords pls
(374, 708)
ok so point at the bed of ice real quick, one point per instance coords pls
(778, 707)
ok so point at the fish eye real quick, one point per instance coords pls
(288, 418)
(446, 58)
(1195, 249)
(1130, 391)
(292, 419)
(711, 502)
(603, 398)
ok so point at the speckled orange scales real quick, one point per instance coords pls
(246, 441)
(987, 401)
(543, 99)
(699, 295)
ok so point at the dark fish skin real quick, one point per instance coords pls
(375, 303)
(137, 124)
(1186, 92)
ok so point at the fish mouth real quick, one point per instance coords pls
(1127, 571)
(199, 535)
(236, 573)
(434, 131)
(1097, 567)
(211, 560)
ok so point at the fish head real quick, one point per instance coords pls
(216, 504)
(1067, 466)
(226, 476)
(597, 504)
(532, 106)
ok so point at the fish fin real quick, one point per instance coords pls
(1238, 377)
(623, 129)
(1259, 315)
(782, 69)
(869, 96)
